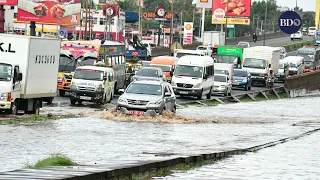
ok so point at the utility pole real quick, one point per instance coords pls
(86, 24)
(1, 19)
(226, 29)
(171, 28)
(265, 23)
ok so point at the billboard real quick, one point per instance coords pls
(65, 12)
(233, 8)
(204, 3)
(8, 2)
(188, 33)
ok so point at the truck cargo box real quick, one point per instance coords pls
(38, 60)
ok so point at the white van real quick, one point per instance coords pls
(296, 64)
(312, 31)
(181, 52)
(194, 76)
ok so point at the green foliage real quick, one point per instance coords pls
(53, 160)
(308, 19)
(128, 5)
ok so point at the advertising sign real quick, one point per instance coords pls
(188, 33)
(290, 22)
(219, 14)
(240, 21)
(233, 8)
(65, 12)
(204, 3)
(63, 34)
(317, 17)
(80, 48)
(110, 10)
(8, 2)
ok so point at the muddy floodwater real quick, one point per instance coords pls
(94, 140)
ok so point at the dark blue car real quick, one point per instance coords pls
(242, 79)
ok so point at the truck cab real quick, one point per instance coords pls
(206, 49)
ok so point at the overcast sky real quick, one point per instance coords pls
(306, 5)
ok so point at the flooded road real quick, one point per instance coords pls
(297, 159)
(90, 141)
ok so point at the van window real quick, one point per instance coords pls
(110, 77)
(210, 71)
(189, 71)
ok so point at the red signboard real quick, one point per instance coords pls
(65, 12)
(233, 8)
(8, 2)
(110, 10)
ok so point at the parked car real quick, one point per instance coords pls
(149, 73)
(297, 35)
(147, 98)
(222, 85)
(242, 79)
(244, 44)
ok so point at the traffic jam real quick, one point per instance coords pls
(98, 71)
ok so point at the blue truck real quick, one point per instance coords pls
(141, 54)
(316, 39)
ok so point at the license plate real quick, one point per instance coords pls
(236, 83)
(254, 77)
(183, 92)
(136, 113)
(85, 98)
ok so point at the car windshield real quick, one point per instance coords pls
(86, 61)
(308, 55)
(202, 48)
(255, 63)
(67, 64)
(5, 72)
(238, 73)
(293, 65)
(229, 59)
(147, 72)
(221, 71)
(88, 74)
(165, 68)
(312, 29)
(243, 44)
(150, 89)
(317, 37)
(189, 71)
(179, 54)
(218, 78)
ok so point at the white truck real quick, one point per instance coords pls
(28, 72)
(205, 49)
(259, 60)
(214, 39)
(178, 53)
(224, 68)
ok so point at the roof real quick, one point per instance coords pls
(99, 68)
(195, 60)
(149, 82)
(224, 75)
(112, 43)
(263, 47)
(164, 60)
(292, 58)
(148, 67)
(240, 70)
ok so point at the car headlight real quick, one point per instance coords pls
(4, 96)
(100, 88)
(59, 79)
(245, 80)
(198, 85)
(156, 102)
(123, 101)
(223, 86)
(173, 84)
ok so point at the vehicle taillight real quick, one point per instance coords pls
(262, 75)
(9, 97)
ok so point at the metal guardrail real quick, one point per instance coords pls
(165, 51)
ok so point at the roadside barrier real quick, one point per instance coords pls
(296, 45)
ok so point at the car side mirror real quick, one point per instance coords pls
(205, 76)
(171, 73)
(19, 77)
(105, 78)
(167, 94)
(269, 65)
(121, 91)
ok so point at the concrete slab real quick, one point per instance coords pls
(276, 93)
(219, 100)
(251, 97)
(264, 94)
(235, 99)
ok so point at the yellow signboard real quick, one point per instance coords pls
(241, 21)
(317, 18)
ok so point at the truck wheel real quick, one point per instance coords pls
(14, 108)
(36, 107)
(199, 97)
(73, 102)
(209, 95)
(62, 93)
(49, 100)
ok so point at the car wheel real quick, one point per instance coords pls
(174, 110)
(209, 95)
(199, 97)
(247, 87)
(14, 108)
(250, 87)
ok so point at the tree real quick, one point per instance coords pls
(308, 19)
(128, 5)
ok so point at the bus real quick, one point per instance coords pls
(311, 56)
(232, 54)
(317, 38)
(72, 55)
(112, 54)
(312, 31)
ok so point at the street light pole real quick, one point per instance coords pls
(265, 24)
(86, 23)
(171, 28)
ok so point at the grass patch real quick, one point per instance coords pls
(31, 118)
(247, 100)
(53, 160)
(211, 102)
(284, 95)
